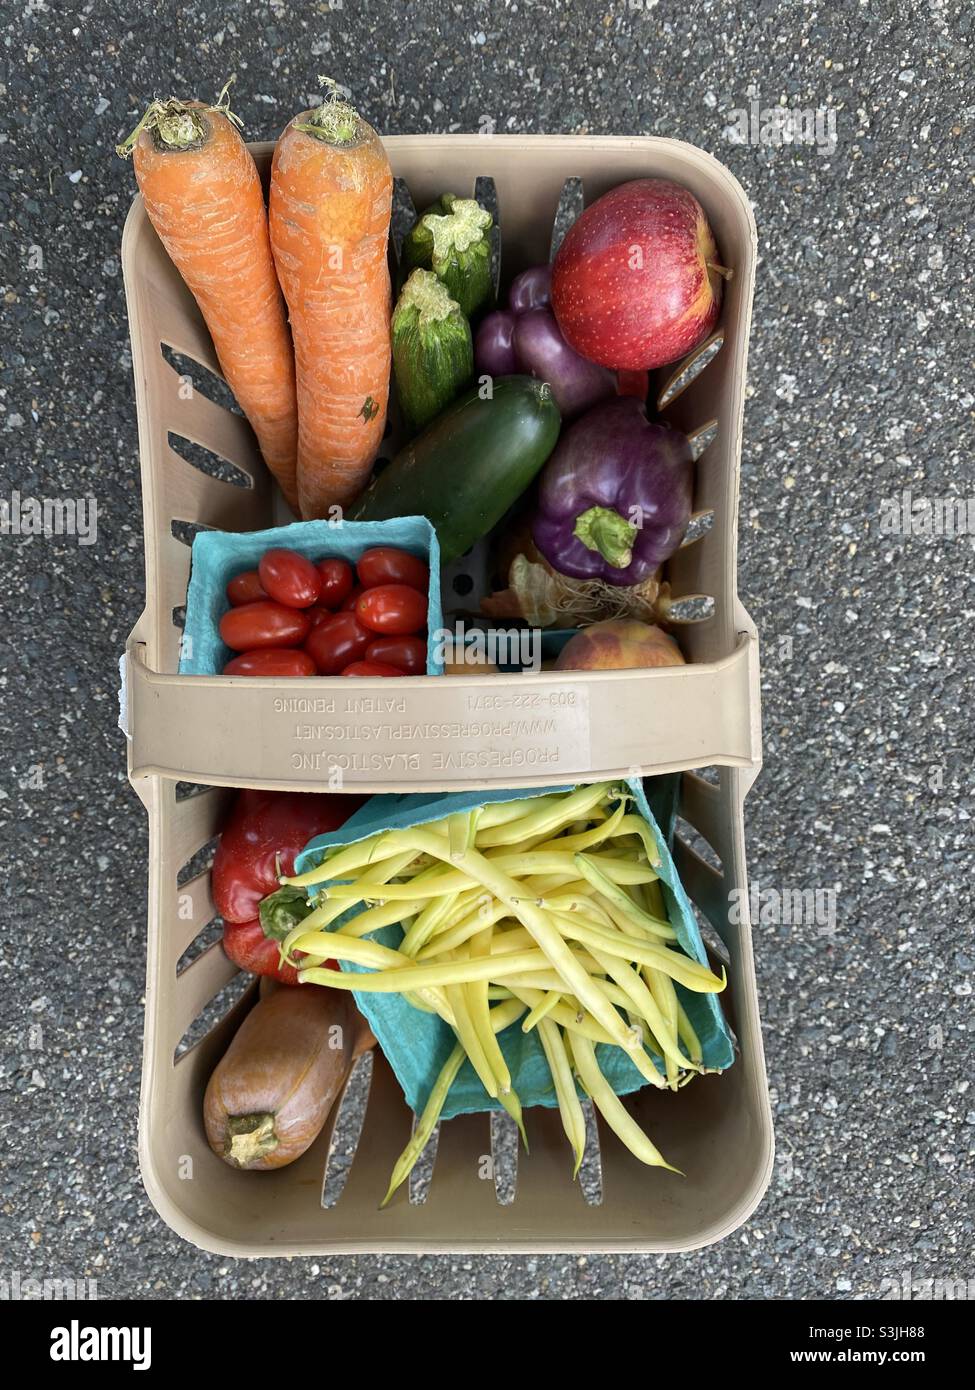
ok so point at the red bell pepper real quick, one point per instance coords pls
(265, 833)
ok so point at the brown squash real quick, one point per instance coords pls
(272, 1091)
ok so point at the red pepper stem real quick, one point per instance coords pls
(281, 911)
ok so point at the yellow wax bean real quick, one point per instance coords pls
(468, 1038)
(544, 819)
(438, 914)
(572, 899)
(592, 868)
(501, 1017)
(662, 989)
(350, 948)
(373, 956)
(639, 998)
(477, 1000)
(636, 825)
(460, 831)
(457, 972)
(465, 929)
(549, 939)
(496, 813)
(687, 1035)
(541, 1010)
(435, 911)
(352, 858)
(375, 918)
(612, 1109)
(638, 921)
(689, 972)
(430, 884)
(615, 869)
(573, 1120)
(329, 912)
(589, 838)
(567, 1015)
(654, 894)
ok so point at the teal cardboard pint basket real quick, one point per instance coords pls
(218, 556)
(417, 1044)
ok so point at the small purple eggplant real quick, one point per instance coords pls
(494, 350)
(532, 289)
(525, 337)
(614, 499)
(541, 350)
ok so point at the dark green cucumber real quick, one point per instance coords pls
(470, 464)
(433, 357)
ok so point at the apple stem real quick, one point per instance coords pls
(721, 270)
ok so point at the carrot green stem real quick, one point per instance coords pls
(336, 122)
(178, 125)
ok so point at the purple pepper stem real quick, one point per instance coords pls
(603, 529)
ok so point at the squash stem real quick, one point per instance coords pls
(249, 1138)
(427, 296)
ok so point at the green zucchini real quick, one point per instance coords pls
(433, 356)
(470, 464)
(452, 239)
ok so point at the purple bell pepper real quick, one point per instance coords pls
(614, 498)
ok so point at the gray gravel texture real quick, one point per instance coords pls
(860, 387)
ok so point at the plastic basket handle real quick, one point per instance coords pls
(442, 732)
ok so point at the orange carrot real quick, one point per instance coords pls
(330, 203)
(203, 195)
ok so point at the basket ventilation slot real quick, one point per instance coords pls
(216, 1011)
(194, 377)
(201, 943)
(208, 462)
(346, 1131)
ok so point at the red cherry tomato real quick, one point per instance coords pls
(337, 581)
(245, 588)
(408, 653)
(372, 668)
(392, 609)
(336, 644)
(272, 661)
(318, 613)
(290, 578)
(263, 624)
(349, 602)
(384, 565)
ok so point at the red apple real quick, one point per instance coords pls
(636, 282)
(618, 645)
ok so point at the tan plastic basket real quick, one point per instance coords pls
(583, 726)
